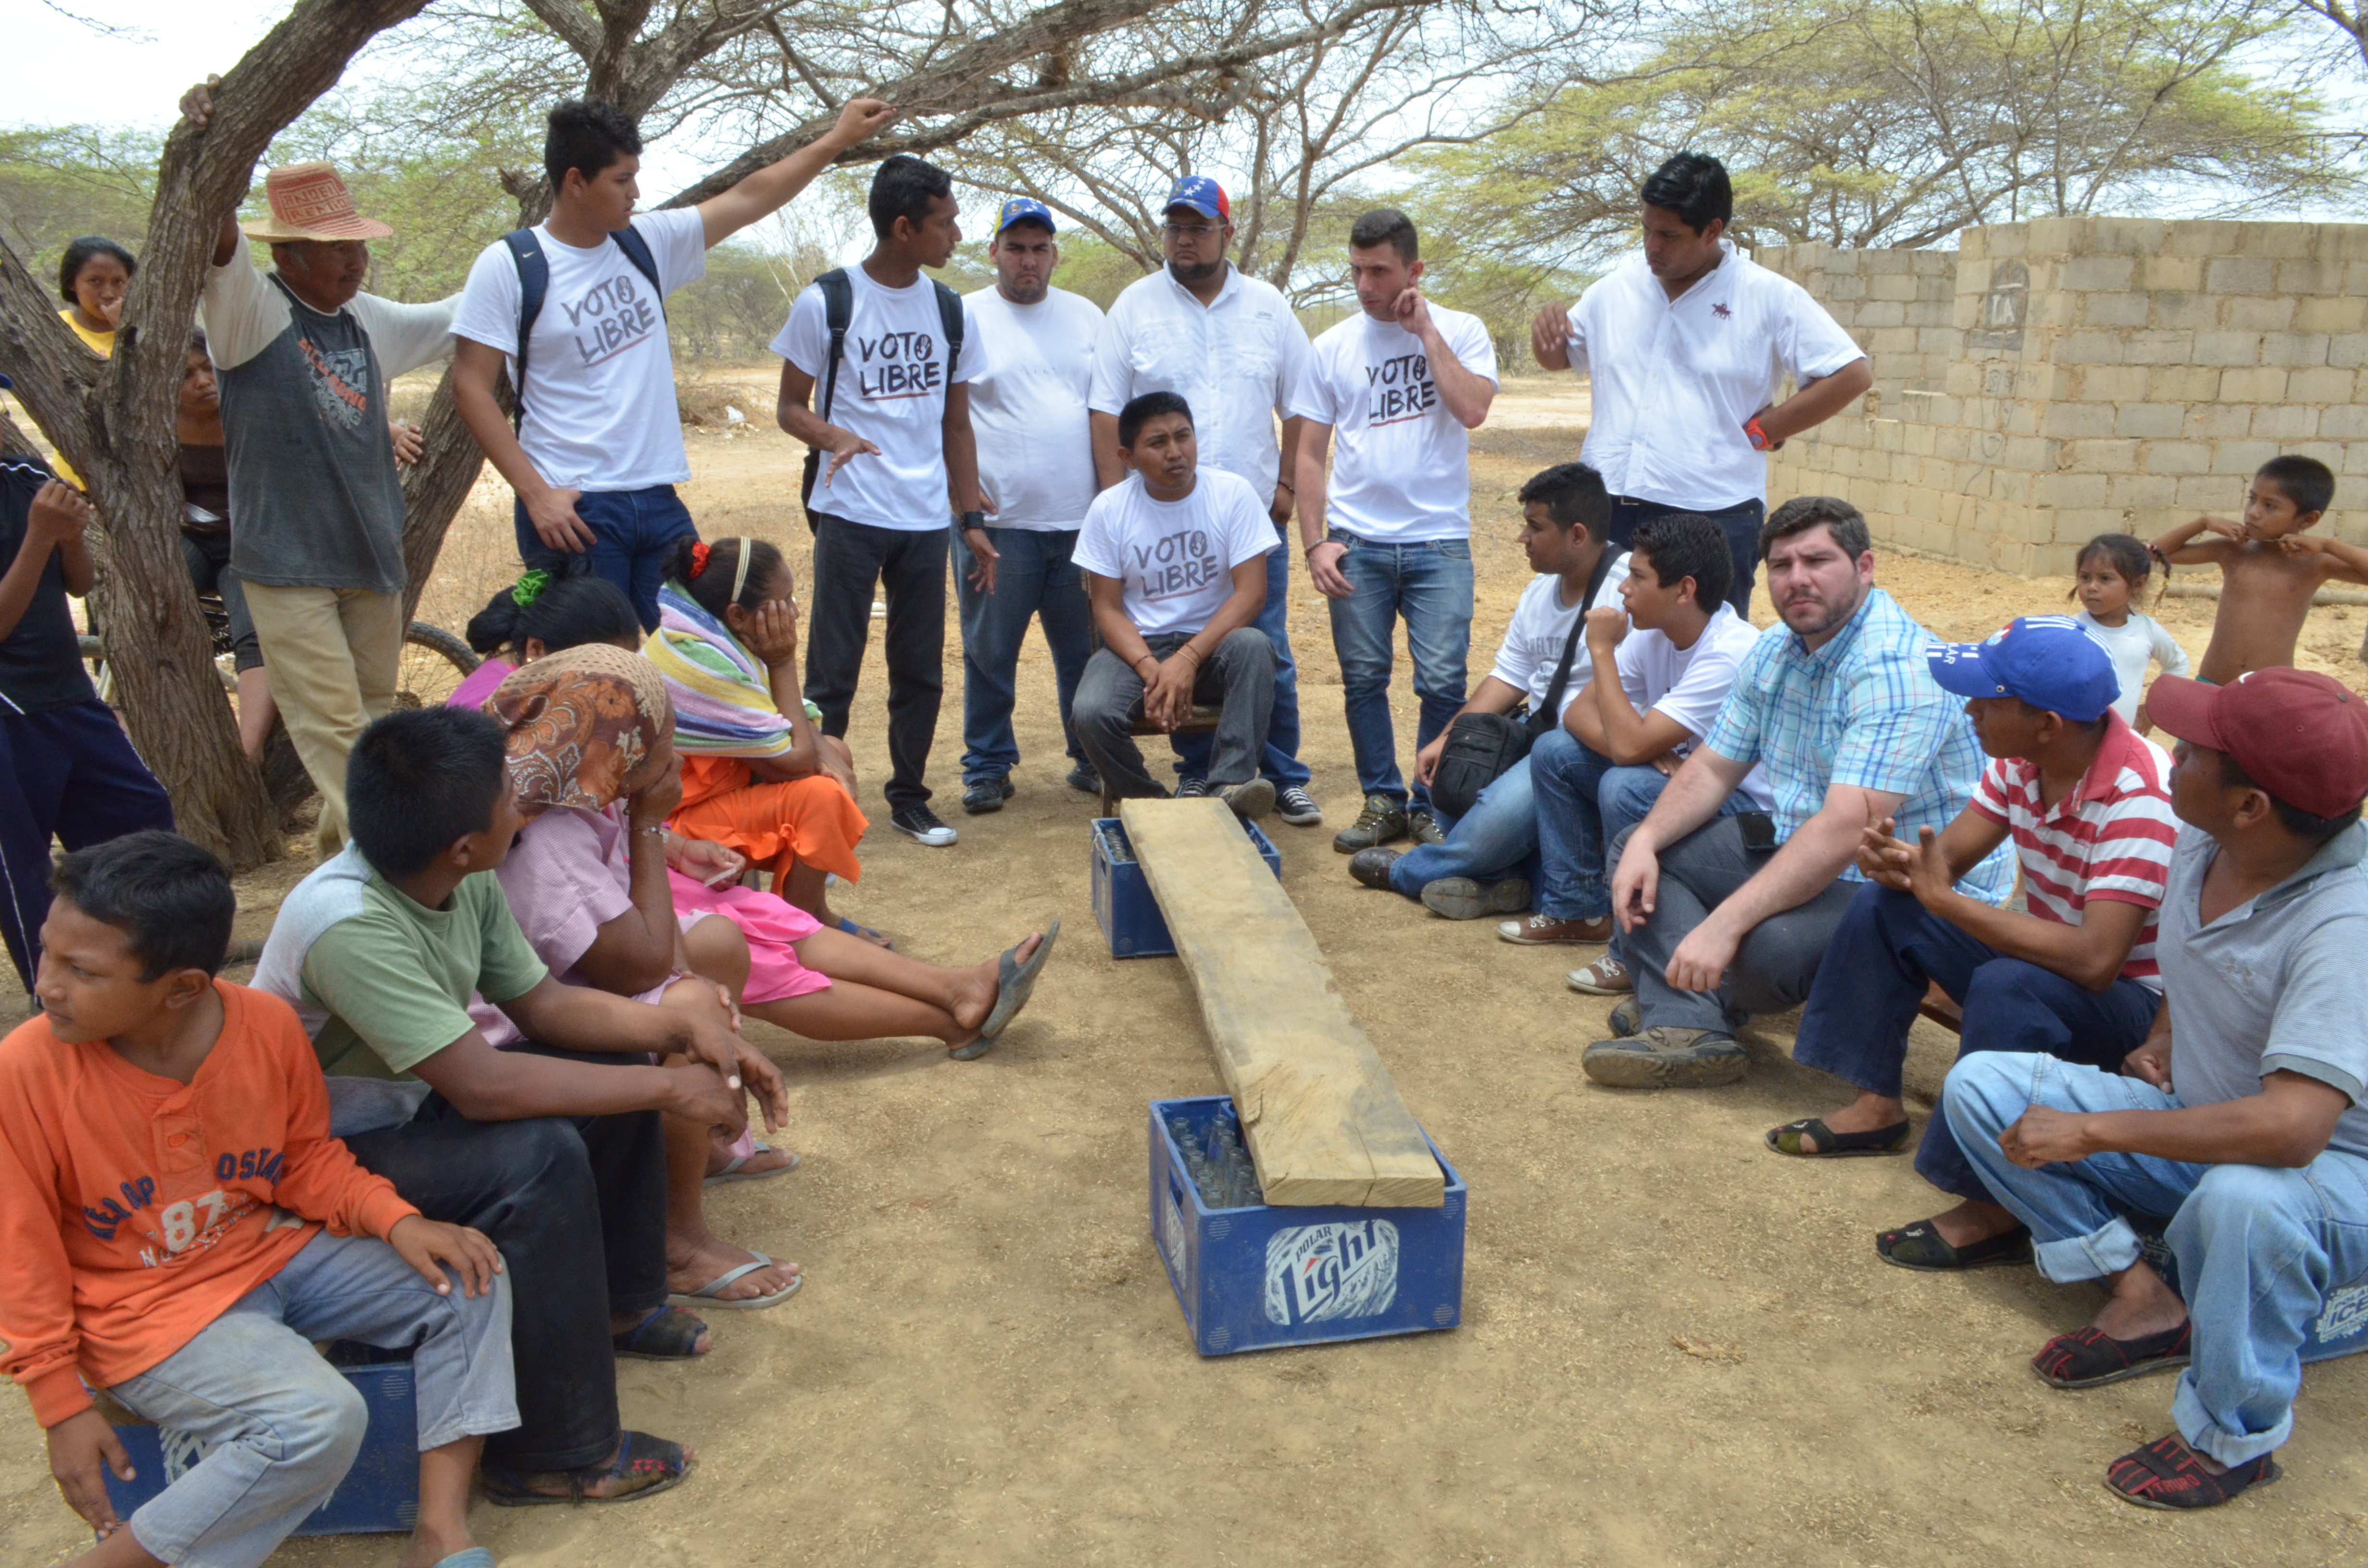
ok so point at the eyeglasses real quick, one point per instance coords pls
(1191, 231)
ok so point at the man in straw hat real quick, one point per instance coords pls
(304, 359)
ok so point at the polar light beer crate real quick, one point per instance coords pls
(1256, 1278)
(1130, 916)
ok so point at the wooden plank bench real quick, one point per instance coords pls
(1937, 1007)
(1202, 721)
(1323, 1121)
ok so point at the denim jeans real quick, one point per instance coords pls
(1741, 524)
(1033, 576)
(1878, 965)
(1431, 585)
(632, 531)
(1497, 838)
(1279, 760)
(279, 1425)
(1238, 677)
(1585, 802)
(2258, 1250)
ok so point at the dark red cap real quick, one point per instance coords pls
(2300, 736)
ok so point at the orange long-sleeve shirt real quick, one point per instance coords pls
(134, 1210)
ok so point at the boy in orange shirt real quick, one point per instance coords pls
(176, 1223)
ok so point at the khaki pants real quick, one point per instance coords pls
(334, 656)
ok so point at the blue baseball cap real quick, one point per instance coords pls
(5, 384)
(1202, 195)
(1024, 210)
(2048, 661)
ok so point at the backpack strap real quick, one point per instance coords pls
(949, 319)
(838, 313)
(534, 286)
(637, 251)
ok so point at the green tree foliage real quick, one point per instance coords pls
(58, 182)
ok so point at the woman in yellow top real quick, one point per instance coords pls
(92, 278)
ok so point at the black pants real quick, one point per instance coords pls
(1741, 524)
(909, 566)
(577, 1207)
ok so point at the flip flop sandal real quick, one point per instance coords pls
(866, 932)
(1919, 1247)
(2090, 1357)
(733, 1170)
(475, 1557)
(707, 1295)
(1013, 982)
(667, 1334)
(645, 1466)
(1786, 1140)
(2165, 1474)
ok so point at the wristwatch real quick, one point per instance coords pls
(973, 520)
(1758, 437)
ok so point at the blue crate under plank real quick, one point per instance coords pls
(1130, 916)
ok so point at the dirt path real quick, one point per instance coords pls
(1678, 1348)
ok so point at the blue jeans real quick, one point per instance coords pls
(1585, 802)
(2258, 1250)
(280, 1425)
(1879, 961)
(632, 531)
(1033, 576)
(1279, 760)
(1431, 585)
(1741, 524)
(1497, 838)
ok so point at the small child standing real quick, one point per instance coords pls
(2269, 566)
(176, 1223)
(2112, 571)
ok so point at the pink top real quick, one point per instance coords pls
(481, 682)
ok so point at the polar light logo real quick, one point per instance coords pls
(1316, 1273)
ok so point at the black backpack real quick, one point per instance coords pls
(838, 313)
(534, 286)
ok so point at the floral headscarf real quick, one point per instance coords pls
(583, 723)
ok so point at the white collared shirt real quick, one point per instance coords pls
(1673, 381)
(1237, 360)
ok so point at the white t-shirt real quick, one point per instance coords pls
(1236, 361)
(1690, 684)
(1033, 371)
(1401, 462)
(1541, 624)
(1672, 380)
(2134, 643)
(1176, 558)
(600, 411)
(892, 377)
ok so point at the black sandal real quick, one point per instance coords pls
(2164, 1474)
(1786, 1140)
(645, 1466)
(667, 1334)
(1919, 1247)
(2090, 1357)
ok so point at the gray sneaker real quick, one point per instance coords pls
(1462, 898)
(1381, 821)
(1666, 1057)
(1424, 829)
(1297, 807)
(1193, 789)
(1627, 1019)
(1250, 800)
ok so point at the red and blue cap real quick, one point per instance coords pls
(1203, 196)
(2048, 661)
(1024, 210)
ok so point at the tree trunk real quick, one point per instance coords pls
(433, 491)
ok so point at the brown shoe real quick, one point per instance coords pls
(1541, 930)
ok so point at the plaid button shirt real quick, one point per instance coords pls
(1862, 711)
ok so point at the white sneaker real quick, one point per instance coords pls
(1606, 976)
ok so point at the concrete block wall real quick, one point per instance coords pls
(2090, 376)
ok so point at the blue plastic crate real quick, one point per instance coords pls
(1258, 1278)
(2335, 1331)
(1130, 916)
(380, 1494)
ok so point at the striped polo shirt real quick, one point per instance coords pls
(2110, 838)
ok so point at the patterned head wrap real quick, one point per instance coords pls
(583, 723)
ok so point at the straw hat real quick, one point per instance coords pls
(309, 202)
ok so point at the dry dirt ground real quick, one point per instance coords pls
(1677, 1347)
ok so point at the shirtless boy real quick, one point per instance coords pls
(2269, 566)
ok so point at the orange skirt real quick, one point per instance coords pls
(778, 827)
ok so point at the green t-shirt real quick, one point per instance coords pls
(396, 978)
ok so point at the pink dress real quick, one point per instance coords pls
(482, 683)
(769, 923)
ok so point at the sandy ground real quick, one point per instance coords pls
(1677, 1347)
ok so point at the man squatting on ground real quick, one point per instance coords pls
(1174, 563)
(899, 443)
(554, 1149)
(1033, 373)
(1233, 348)
(1389, 534)
(1483, 865)
(596, 448)
(1722, 917)
(1676, 344)
(2240, 1117)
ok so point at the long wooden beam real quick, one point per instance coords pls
(1323, 1121)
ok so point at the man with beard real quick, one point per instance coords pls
(1728, 917)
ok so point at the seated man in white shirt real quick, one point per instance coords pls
(1175, 564)
(1654, 692)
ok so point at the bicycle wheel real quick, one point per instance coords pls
(434, 662)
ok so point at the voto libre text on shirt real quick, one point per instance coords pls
(1401, 388)
(898, 364)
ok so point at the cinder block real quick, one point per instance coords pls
(1836, 290)
(2162, 348)
(1936, 343)
(2345, 422)
(2107, 457)
(2029, 453)
(2118, 308)
(2240, 274)
(2003, 240)
(2203, 492)
(2090, 349)
(2151, 420)
(2111, 383)
(2330, 313)
(2296, 349)
(2196, 237)
(2183, 273)
(2355, 277)
(2106, 273)
(1897, 286)
(2288, 422)
(2227, 349)
(2311, 275)
(2256, 313)
(2073, 421)
(2279, 240)
(2077, 524)
(2321, 383)
(2259, 383)
(2348, 349)
(2195, 312)
(2062, 490)
(1879, 313)
(2181, 383)
(2143, 489)
(2219, 421)
(2243, 458)
(2176, 457)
